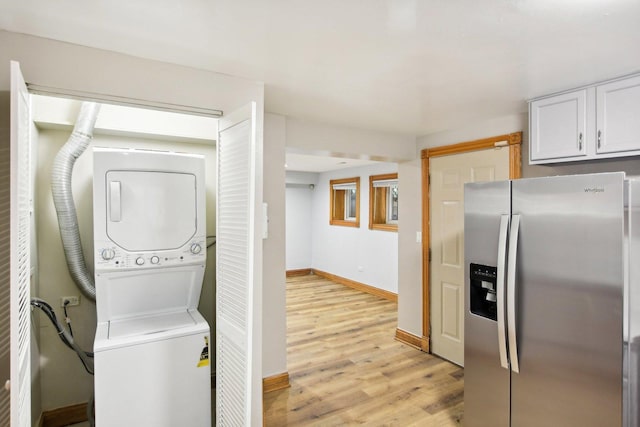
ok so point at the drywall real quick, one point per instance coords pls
(366, 256)
(298, 233)
(409, 248)
(73, 67)
(299, 199)
(630, 165)
(296, 178)
(274, 349)
(60, 364)
(477, 130)
(307, 137)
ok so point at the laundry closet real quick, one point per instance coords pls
(47, 376)
(134, 133)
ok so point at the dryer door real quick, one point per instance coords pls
(150, 211)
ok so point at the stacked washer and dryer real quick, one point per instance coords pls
(152, 345)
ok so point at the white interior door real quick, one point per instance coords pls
(20, 261)
(239, 271)
(448, 176)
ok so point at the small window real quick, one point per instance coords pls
(345, 202)
(383, 202)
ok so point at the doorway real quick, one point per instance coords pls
(254, 138)
(445, 170)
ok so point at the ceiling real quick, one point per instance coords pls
(317, 164)
(411, 67)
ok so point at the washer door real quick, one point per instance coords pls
(150, 211)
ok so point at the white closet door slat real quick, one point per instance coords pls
(5, 280)
(20, 252)
(238, 342)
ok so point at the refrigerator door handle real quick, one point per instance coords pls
(511, 293)
(500, 289)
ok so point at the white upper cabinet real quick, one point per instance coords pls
(558, 126)
(596, 122)
(618, 116)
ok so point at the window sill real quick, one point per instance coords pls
(344, 223)
(384, 227)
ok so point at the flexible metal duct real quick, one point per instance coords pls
(63, 197)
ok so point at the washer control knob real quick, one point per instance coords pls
(108, 254)
(155, 259)
(140, 261)
(196, 248)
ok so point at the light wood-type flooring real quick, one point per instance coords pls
(346, 368)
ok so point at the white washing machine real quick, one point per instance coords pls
(152, 345)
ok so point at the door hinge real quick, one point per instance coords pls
(429, 254)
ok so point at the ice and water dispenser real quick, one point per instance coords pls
(482, 296)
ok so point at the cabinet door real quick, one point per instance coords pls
(558, 127)
(618, 116)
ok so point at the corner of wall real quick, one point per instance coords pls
(274, 348)
(409, 249)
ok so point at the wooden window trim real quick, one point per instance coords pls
(514, 142)
(372, 226)
(333, 204)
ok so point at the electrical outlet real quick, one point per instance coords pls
(73, 300)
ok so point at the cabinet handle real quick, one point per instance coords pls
(599, 138)
(580, 142)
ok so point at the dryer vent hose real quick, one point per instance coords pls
(63, 197)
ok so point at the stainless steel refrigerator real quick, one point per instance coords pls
(545, 301)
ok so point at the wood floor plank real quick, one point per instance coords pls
(346, 368)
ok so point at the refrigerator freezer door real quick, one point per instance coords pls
(486, 383)
(632, 360)
(569, 301)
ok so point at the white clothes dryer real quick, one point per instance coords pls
(152, 345)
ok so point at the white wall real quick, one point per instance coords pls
(476, 130)
(409, 249)
(301, 178)
(366, 256)
(62, 65)
(299, 199)
(355, 246)
(308, 137)
(274, 321)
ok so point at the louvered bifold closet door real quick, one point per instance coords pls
(20, 261)
(237, 271)
(5, 309)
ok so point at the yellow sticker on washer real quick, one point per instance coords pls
(204, 355)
